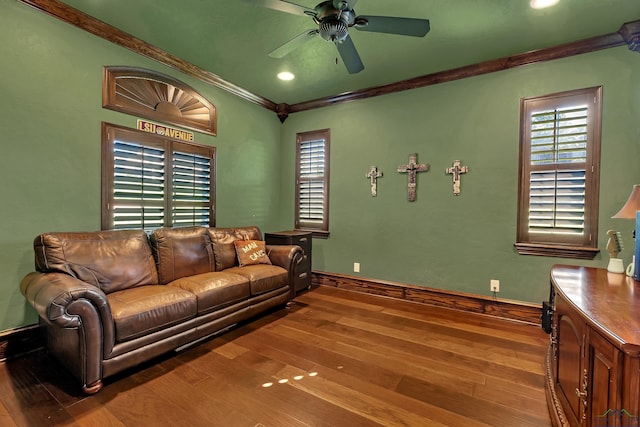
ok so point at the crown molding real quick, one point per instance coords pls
(629, 34)
(536, 56)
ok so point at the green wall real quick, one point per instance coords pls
(460, 243)
(50, 124)
(50, 116)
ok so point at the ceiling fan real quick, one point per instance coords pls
(334, 18)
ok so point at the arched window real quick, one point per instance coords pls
(156, 96)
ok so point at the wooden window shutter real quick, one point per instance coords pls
(151, 181)
(138, 186)
(557, 195)
(157, 96)
(312, 181)
(560, 151)
(191, 188)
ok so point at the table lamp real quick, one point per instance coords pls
(630, 211)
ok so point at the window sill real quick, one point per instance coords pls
(560, 251)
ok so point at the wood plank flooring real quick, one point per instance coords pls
(333, 358)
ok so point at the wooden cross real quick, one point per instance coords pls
(456, 170)
(411, 170)
(373, 175)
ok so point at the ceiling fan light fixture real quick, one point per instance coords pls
(333, 29)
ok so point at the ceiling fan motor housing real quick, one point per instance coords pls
(334, 24)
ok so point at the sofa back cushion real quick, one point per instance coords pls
(110, 260)
(181, 252)
(223, 248)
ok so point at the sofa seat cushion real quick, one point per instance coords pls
(215, 290)
(147, 309)
(262, 278)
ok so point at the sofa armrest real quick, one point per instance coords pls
(66, 302)
(287, 257)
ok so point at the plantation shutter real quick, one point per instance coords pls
(312, 181)
(138, 186)
(558, 171)
(559, 174)
(191, 189)
(151, 181)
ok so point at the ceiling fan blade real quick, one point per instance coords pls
(293, 44)
(284, 6)
(350, 56)
(391, 25)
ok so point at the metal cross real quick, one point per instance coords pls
(411, 170)
(456, 170)
(373, 175)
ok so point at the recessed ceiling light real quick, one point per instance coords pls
(541, 4)
(286, 76)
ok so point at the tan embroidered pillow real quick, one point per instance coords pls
(251, 252)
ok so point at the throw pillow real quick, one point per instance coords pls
(251, 252)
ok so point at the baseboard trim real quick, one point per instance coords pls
(502, 308)
(19, 341)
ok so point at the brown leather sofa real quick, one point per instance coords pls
(113, 299)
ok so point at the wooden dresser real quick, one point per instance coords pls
(593, 362)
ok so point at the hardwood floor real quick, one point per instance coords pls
(334, 358)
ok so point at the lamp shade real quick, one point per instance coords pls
(630, 208)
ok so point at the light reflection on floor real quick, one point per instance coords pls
(286, 380)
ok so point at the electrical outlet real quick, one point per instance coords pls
(494, 285)
(356, 267)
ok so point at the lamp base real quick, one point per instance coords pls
(615, 266)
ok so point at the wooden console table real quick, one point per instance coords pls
(593, 361)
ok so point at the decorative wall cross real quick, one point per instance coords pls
(411, 170)
(373, 175)
(456, 170)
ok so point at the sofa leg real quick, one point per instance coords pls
(92, 388)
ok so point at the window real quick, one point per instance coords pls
(151, 181)
(559, 174)
(312, 182)
(157, 96)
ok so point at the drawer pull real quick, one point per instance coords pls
(302, 275)
(303, 239)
